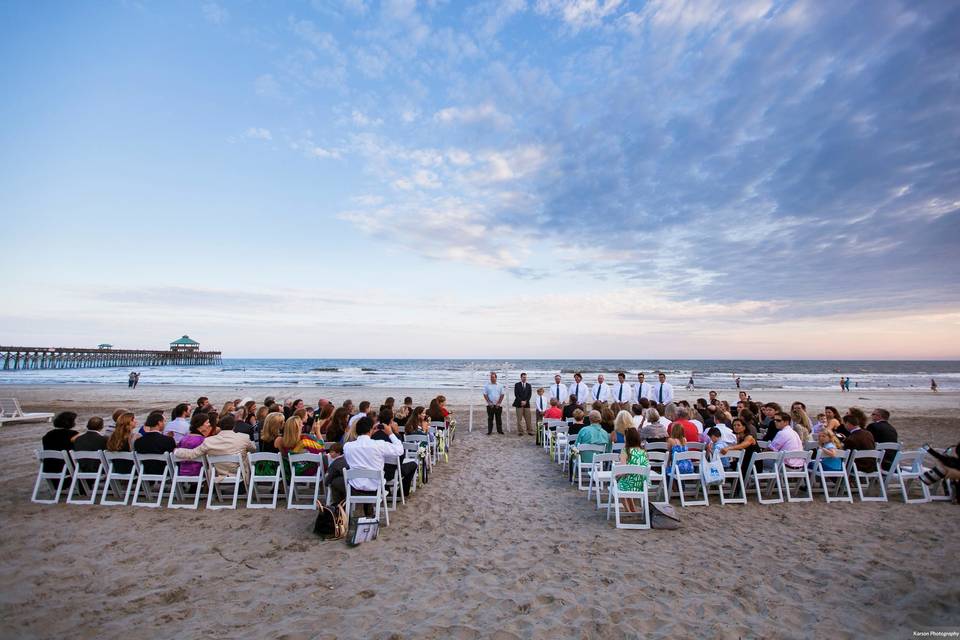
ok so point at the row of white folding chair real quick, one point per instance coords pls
(148, 488)
(378, 499)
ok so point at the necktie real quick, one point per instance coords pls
(661, 393)
(578, 392)
(620, 395)
(558, 400)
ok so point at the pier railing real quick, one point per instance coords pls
(68, 358)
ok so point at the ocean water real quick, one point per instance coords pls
(465, 374)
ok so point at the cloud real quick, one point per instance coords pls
(362, 120)
(258, 133)
(485, 112)
(215, 13)
(579, 14)
(266, 85)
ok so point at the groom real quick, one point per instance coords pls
(522, 392)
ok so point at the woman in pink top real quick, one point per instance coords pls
(199, 429)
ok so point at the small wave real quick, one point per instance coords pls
(367, 369)
(326, 369)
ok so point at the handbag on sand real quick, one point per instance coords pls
(712, 472)
(331, 523)
(663, 516)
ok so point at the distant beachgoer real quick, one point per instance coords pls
(738, 382)
(933, 385)
(847, 384)
(130, 379)
(841, 385)
(136, 379)
(690, 383)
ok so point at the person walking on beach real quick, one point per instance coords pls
(136, 379)
(493, 393)
(737, 380)
(841, 384)
(846, 384)
(690, 386)
(130, 379)
(522, 392)
(933, 385)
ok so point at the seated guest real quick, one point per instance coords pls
(203, 405)
(366, 453)
(883, 431)
(569, 408)
(224, 443)
(60, 438)
(829, 451)
(238, 426)
(418, 423)
(592, 433)
(119, 440)
(322, 421)
(690, 430)
(577, 422)
(607, 417)
(621, 423)
(639, 416)
(334, 476)
(746, 442)
(295, 441)
(859, 439)
(90, 440)
(153, 441)
(554, 412)
(408, 468)
(786, 440)
(179, 424)
(272, 432)
(633, 454)
(338, 425)
(770, 411)
(654, 428)
(720, 436)
(678, 444)
(800, 421)
(403, 413)
(199, 429)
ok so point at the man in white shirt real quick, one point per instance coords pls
(579, 389)
(365, 453)
(179, 425)
(663, 390)
(642, 389)
(363, 407)
(600, 390)
(541, 403)
(558, 390)
(493, 393)
(622, 391)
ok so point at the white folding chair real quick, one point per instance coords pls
(395, 485)
(678, 478)
(83, 478)
(579, 466)
(380, 497)
(440, 428)
(908, 468)
(659, 463)
(695, 446)
(615, 494)
(411, 451)
(599, 473)
(420, 441)
(764, 445)
(560, 438)
(616, 447)
(181, 497)
(657, 446)
(864, 479)
(943, 490)
(812, 446)
(145, 480)
(257, 498)
(771, 476)
(53, 480)
(216, 482)
(732, 479)
(800, 475)
(296, 479)
(115, 477)
(840, 478)
(886, 447)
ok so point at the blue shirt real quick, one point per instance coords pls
(494, 391)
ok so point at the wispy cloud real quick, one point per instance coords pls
(215, 13)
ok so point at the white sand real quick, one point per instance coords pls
(496, 545)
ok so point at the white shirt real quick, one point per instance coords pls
(580, 390)
(179, 427)
(355, 419)
(541, 403)
(558, 391)
(622, 392)
(366, 453)
(667, 393)
(493, 391)
(642, 390)
(600, 392)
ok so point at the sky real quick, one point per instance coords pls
(525, 178)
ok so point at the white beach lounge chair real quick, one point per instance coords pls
(10, 412)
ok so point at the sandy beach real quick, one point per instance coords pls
(498, 544)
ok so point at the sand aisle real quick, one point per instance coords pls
(496, 545)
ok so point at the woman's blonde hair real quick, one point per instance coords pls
(272, 425)
(623, 422)
(228, 407)
(833, 438)
(121, 432)
(292, 430)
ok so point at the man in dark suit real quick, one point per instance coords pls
(522, 392)
(883, 431)
(859, 440)
(91, 440)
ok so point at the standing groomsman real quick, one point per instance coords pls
(493, 393)
(541, 403)
(600, 390)
(558, 390)
(579, 389)
(622, 391)
(663, 391)
(643, 389)
(522, 392)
